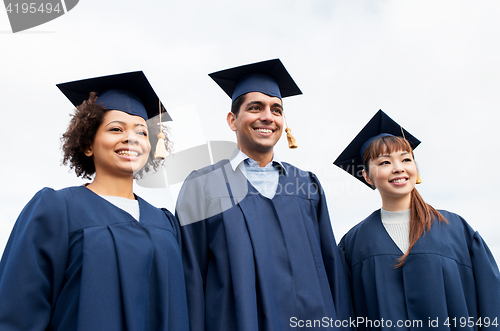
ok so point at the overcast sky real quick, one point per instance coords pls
(433, 66)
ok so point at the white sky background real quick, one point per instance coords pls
(433, 66)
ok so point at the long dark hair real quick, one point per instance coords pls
(422, 214)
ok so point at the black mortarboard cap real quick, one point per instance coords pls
(129, 92)
(269, 77)
(351, 159)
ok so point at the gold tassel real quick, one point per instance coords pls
(161, 151)
(292, 143)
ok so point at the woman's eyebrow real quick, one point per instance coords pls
(123, 123)
(383, 155)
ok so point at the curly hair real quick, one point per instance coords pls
(81, 132)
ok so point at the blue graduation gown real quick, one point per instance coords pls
(74, 261)
(259, 263)
(449, 277)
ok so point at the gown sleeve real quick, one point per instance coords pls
(487, 279)
(332, 261)
(33, 263)
(189, 211)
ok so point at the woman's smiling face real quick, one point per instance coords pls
(393, 174)
(121, 145)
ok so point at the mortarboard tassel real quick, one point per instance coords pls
(291, 140)
(161, 151)
(292, 143)
(419, 180)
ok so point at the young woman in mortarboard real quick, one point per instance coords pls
(411, 266)
(97, 257)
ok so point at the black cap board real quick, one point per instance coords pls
(130, 92)
(269, 77)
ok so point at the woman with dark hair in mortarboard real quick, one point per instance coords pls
(409, 265)
(98, 257)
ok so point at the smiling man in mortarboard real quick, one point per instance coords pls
(258, 246)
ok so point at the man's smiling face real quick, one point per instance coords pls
(259, 123)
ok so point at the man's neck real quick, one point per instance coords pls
(262, 159)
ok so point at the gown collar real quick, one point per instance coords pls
(238, 158)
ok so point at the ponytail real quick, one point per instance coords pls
(422, 216)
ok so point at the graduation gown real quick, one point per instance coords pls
(74, 261)
(253, 263)
(448, 279)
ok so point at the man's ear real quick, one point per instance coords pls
(367, 178)
(231, 119)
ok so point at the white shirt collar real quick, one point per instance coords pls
(238, 157)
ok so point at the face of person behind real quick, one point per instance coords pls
(121, 145)
(395, 176)
(259, 124)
